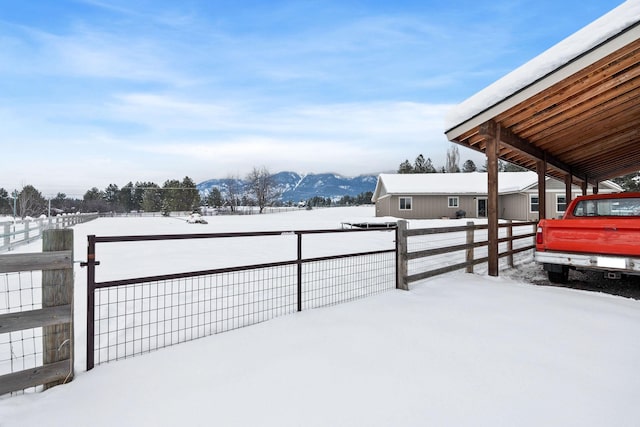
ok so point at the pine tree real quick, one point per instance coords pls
(189, 195)
(469, 166)
(629, 182)
(504, 166)
(171, 195)
(214, 198)
(429, 168)
(405, 167)
(151, 198)
(112, 197)
(126, 197)
(5, 203)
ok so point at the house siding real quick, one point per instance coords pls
(513, 206)
(427, 206)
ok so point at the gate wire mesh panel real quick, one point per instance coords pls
(338, 280)
(20, 350)
(138, 318)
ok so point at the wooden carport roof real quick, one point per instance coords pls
(572, 113)
(581, 118)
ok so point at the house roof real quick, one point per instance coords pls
(450, 183)
(575, 106)
(455, 183)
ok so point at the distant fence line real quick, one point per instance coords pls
(205, 211)
(24, 231)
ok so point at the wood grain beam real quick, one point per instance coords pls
(489, 129)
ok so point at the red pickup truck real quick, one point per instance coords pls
(597, 232)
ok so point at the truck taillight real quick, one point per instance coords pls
(539, 236)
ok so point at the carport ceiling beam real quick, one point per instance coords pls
(510, 139)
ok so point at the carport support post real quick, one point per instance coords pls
(541, 168)
(568, 194)
(492, 191)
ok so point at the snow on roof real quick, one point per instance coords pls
(589, 37)
(452, 183)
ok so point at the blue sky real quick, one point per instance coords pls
(100, 92)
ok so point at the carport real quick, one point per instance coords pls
(572, 113)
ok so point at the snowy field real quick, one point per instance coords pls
(458, 349)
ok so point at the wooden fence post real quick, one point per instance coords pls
(470, 234)
(57, 289)
(402, 251)
(510, 242)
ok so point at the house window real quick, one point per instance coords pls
(561, 203)
(453, 202)
(534, 203)
(405, 203)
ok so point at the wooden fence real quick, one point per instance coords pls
(23, 231)
(55, 316)
(459, 248)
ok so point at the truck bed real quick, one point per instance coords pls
(612, 236)
(597, 232)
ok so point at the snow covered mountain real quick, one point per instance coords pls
(295, 187)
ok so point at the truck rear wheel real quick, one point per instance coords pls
(559, 276)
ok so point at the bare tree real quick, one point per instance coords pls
(453, 160)
(30, 202)
(234, 188)
(261, 186)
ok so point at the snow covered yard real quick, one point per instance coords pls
(458, 349)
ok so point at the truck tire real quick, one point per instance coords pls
(559, 276)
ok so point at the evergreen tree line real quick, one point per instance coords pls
(422, 165)
(174, 195)
(363, 198)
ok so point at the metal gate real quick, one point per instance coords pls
(134, 315)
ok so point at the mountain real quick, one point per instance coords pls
(295, 187)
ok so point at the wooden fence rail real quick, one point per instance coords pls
(55, 317)
(469, 246)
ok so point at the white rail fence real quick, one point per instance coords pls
(19, 232)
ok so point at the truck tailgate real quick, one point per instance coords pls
(620, 236)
